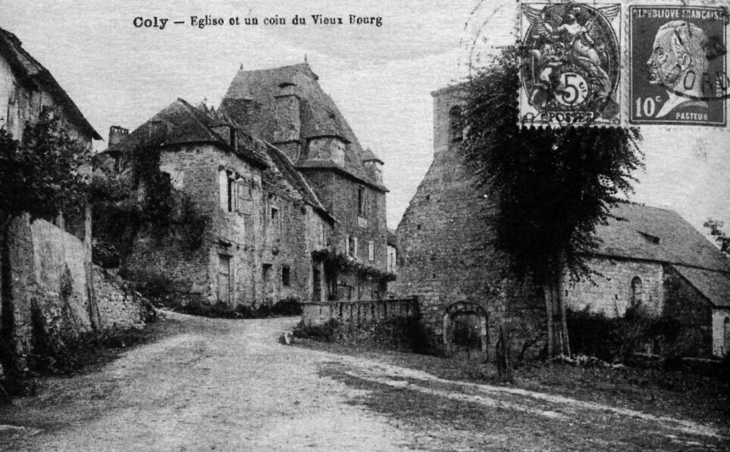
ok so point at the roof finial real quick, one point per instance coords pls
(305, 57)
(241, 66)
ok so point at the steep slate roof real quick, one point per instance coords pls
(30, 72)
(181, 123)
(320, 117)
(284, 180)
(650, 233)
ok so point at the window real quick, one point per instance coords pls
(227, 186)
(274, 218)
(230, 187)
(352, 246)
(248, 228)
(223, 188)
(456, 129)
(274, 222)
(224, 278)
(371, 250)
(636, 291)
(285, 276)
(362, 201)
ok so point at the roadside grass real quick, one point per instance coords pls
(287, 307)
(442, 424)
(681, 394)
(81, 354)
(93, 350)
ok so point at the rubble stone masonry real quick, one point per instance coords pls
(444, 251)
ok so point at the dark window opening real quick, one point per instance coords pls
(229, 192)
(456, 127)
(636, 291)
(285, 276)
(362, 208)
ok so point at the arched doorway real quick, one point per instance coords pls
(465, 327)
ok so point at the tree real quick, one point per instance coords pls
(41, 176)
(721, 238)
(552, 186)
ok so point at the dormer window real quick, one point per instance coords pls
(649, 238)
(456, 129)
(226, 133)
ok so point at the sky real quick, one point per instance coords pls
(380, 77)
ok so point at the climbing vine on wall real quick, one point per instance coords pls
(342, 263)
(142, 199)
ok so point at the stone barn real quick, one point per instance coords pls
(652, 257)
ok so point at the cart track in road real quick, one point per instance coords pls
(223, 385)
(230, 385)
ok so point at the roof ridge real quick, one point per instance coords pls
(191, 111)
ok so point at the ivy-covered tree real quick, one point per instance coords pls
(41, 175)
(552, 187)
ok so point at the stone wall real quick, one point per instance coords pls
(359, 313)
(721, 331)
(339, 194)
(443, 242)
(49, 273)
(201, 172)
(119, 305)
(256, 249)
(693, 310)
(609, 290)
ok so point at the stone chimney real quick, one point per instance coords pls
(288, 121)
(117, 134)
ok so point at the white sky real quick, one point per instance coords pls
(380, 78)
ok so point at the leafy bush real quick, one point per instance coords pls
(398, 333)
(68, 354)
(620, 338)
(327, 332)
(282, 308)
(404, 334)
(156, 287)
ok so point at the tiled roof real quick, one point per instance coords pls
(320, 117)
(650, 233)
(181, 123)
(283, 179)
(30, 71)
(714, 285)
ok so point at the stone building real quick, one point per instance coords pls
(54, 286)
(285, 186)
(262, 219)
(287, 107)
(652, 257)
(26, 87)
(444, 251)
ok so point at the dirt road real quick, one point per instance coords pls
(230, 385)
